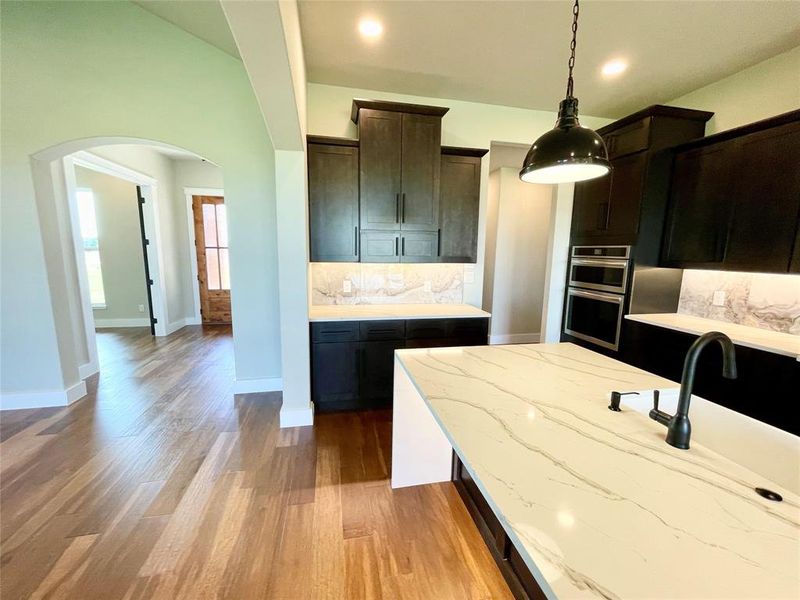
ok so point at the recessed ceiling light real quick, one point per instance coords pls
(370, 28)
(614, 67)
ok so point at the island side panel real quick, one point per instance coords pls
(420, 451)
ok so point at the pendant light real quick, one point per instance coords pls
(568, 152)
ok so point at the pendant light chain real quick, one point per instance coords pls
(575, 10)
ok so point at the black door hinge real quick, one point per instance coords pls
(150, 282)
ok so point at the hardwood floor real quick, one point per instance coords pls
(161, 484)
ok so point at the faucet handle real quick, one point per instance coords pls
(656, 395)
(616, 397)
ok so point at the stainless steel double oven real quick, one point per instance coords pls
(598, 283)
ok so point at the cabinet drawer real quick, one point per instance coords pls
(426, 329)
(481, 505)
(382, 330)
(468, 328)
(629, 139)
(334, 331)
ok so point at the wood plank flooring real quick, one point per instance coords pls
(162, 484)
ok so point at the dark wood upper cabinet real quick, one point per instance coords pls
(400, 164)
(613, 209)
(459, 201)
(735, 199)
(699, 208)
(380, 143)
(419, 246)
(766, 200)
(421, 150)
(333, 201)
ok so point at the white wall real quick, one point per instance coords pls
(73, 71)
(769, 88)
(466, 124)
(520, 243)
(120, 243)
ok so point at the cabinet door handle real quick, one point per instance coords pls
(439, 242)
(403, 207)
(403, 246)
(396, 242)
(608, 216)
(355, 243)
(601, 215)
(397, 207)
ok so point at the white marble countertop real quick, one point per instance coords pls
(597, 503)
(752, 337)
(381, 312)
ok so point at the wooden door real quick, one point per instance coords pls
(590, 208)
(419, 247)
(335, 370)
(459, 200)
(765, 188)
(380, 140)
(421, 156)
(213, 270)
(333, 202)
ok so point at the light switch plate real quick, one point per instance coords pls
(347, 286)
(141, 308)
(719, 298)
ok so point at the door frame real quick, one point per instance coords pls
(149, 188)
(188, 193)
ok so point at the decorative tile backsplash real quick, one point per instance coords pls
(758, 300)
(386, 284)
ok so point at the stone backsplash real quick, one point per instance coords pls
(755, 299)
(386, 284)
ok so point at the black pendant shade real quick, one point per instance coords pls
(568, 152)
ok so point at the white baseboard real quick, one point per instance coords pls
(515, 338)
(88, 369)
(193, 320)
(297, 417)
(106, 323)
(253, 386)
(43, 399)
(175, 326)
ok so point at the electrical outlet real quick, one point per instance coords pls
(347, 286)
(719, 298)
(141, 308)
(428, 286)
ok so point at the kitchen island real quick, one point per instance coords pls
(595, 502)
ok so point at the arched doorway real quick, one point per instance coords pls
(56, 197)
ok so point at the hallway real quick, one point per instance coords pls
(159, 484)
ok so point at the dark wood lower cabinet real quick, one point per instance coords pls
(516, 573)
(764, 389)
(352, 362)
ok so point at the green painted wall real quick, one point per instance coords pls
(74, 70)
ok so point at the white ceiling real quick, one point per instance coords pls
(202, 18)
(515, 53)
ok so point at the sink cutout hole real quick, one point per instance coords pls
(769, 494)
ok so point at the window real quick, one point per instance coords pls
(91, 249)
(215, 232)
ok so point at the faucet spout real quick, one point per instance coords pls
(679, 428)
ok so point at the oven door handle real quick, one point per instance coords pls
(600, 262)
(616, 299)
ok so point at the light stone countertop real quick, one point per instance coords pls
(752, 337)
(597, 503)
(382, 312)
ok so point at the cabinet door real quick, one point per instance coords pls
(377, 372)
(766, 200)
(459, 199)
(590, 207)
(380, 246)
(421, 152)
(627, 185)
(335, 375)
(699, 207)
(380, 139)
(333, 202)
(419, 246)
